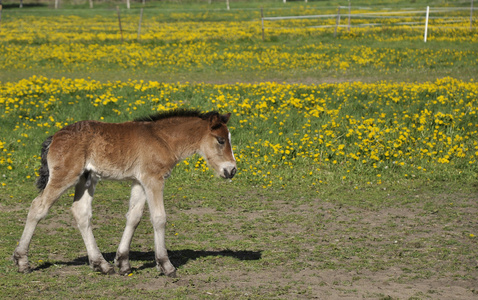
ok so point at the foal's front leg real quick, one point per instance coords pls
(154, 196)
(82, 212)
(135, 212)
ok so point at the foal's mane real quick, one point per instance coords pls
(176, 113)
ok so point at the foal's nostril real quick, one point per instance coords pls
(230, 174)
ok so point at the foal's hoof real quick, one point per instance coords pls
(22, 263)
(124, 268)
(25, 270)
(172, 274)
(124, 272)
(104, 268)
(106, 272)
(110, 272)
(168, 270)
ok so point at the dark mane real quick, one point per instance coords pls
(176, 113)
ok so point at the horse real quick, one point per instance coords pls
(143, 151)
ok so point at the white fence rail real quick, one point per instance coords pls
(414, 18)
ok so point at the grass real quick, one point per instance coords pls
(357, 154)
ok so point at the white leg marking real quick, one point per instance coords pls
(154, 196)
(133, 217)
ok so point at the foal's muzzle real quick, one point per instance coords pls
(228, 174)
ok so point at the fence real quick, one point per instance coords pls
(447, 17)
(411, 18)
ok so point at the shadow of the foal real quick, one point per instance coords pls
(178, 258)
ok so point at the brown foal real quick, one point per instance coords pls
(143, 151)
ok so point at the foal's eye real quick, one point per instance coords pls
(221, 140)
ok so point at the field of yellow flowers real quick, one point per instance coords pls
(224, 46)
(363, 132)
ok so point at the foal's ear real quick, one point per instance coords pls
(225, 118)
(217, 120)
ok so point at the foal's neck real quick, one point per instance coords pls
(182, 135)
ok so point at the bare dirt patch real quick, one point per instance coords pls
(416, 246)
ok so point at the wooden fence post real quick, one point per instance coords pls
(471, 16)
(139, 24)
(119, 21)
(350, 8)
(337, 22)
(262, 21)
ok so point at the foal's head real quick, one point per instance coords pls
(216, 145)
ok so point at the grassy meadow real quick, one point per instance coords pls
(357, 153)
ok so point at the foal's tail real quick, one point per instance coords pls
(44, 172)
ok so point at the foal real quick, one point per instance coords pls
(143, 151)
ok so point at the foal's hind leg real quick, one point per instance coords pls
(135, 212)
(82, 212)
(38, 210)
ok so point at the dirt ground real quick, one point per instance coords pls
(420, 250)
(422, 246)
